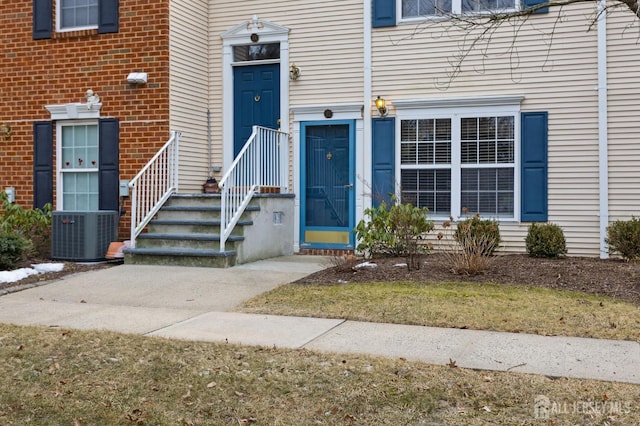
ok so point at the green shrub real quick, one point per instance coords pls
(623, 236)
(393, 231)
(545, 240)
(33, 224)
(13, 249)
(478, 236)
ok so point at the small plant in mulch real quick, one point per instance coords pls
(545, 240)
(469, 248)
(396, 230)
(623, 237)
(18, 224)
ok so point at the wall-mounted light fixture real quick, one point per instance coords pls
(5, 131)
(381, 104)
(137, 78)
(294, 72)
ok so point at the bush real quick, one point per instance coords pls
(623, 236)
(33, 224)
(478, 236)
(545, 240)
(394, 231)
(14, 248)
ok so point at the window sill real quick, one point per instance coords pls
(74, 34)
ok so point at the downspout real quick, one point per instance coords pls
(366, 112)
(210, 152)
(603, 160)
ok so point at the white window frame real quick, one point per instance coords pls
(456, 110)
(59, 169)
(61, 29)
(456, 9)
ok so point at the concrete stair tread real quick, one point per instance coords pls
(249, 208)
(193, 237)
(213, 222)
(180, 252)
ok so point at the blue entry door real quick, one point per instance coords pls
(327, 175)
(256, 100)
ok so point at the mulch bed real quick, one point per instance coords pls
(611, 277)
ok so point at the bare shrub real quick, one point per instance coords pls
(467, 253)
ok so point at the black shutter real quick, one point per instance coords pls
(109, 154)
(108, 16)
(42, 19)
(42, 163)
(534, 144)
(530, 3)
(383, 13)
(383, 158)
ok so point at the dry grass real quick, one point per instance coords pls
(58, 377)
(459, 305)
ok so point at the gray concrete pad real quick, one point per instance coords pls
(83, 316)
(250, 329)
(598, 359)
(200, 289)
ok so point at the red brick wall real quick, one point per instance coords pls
(35, 73)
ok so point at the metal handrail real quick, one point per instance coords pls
(153, 185)
(262, 162)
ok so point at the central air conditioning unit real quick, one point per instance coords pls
(82, 235)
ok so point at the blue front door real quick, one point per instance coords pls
(327, 175)
(256, 100)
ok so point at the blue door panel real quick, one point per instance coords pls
(256, 100)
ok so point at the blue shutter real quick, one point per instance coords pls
(383, 159)
(383, 13)
(530, 3)
(534, 144)
(108, 16)
(109, 154)
(42, 19)
(42, 163)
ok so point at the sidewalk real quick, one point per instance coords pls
(193, 304)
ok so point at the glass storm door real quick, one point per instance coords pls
(327, 175)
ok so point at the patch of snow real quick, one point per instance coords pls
(48, 267)
(400, 265)
(366, 265)
(18, 274)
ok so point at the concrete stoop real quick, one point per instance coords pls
(186, 232)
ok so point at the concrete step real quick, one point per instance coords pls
(199, 212)
(193, 226)
(180, 257)
(185, 241)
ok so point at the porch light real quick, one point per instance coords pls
(382, 106)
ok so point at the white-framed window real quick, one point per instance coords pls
(72, 15)
(460, 162)
(77, 165)
(419, 9)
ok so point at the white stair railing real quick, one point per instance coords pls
(153, 186)
(262, 163)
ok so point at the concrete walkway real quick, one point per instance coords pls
(194, 304)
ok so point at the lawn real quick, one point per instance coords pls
(481, 306)
(51, 376)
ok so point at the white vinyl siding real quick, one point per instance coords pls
(413, 61)
(624, 127)
(189, 89)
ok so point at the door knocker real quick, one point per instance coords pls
(329, 156)
(256, 98)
